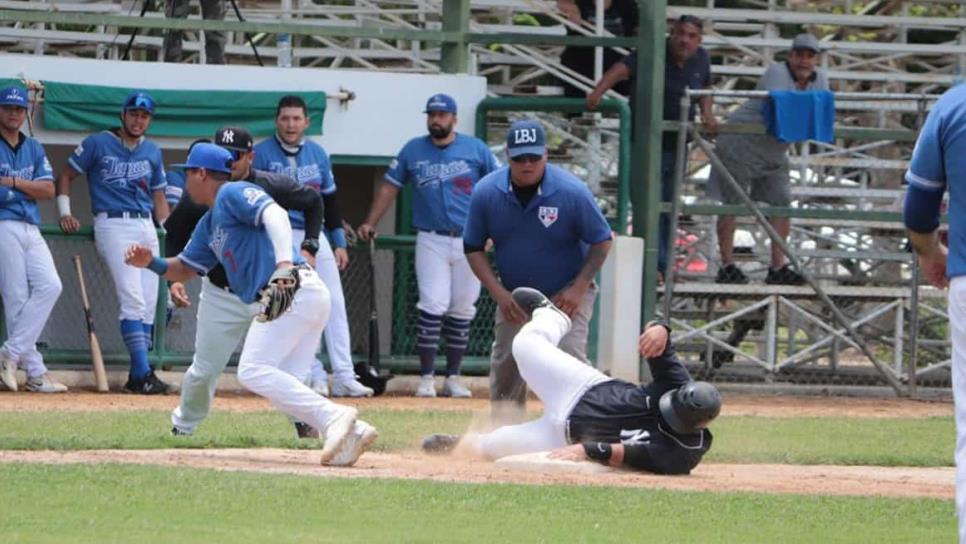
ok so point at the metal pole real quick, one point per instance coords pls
(913, 363)
(840, 318)
(455, 56)
(680, 167)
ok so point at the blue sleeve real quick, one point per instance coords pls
(593, 226)
(920, 210)
(158, 180)
(396, 174)
(475, 232)
(197, 255)
(328, 180)
(42, 168)
(927, 166)
(337, 237)
(84, 155)
(261, 157)
(245, 202)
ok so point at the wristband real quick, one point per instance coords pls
(63, 205)
(158, 265)
(598, 451)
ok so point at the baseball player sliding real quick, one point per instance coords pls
(125, 176)
(659, 427)
(29, 283)
(249, 235)
(443, 169)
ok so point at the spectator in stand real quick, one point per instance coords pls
(214, 41)
(620, 19)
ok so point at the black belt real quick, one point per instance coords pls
(455, 233)
(115, 214)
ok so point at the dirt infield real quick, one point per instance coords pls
(734, 405)
(767, 478)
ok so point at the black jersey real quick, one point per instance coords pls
(618, 411)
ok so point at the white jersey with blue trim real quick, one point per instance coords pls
(231, 233)
(28, 161)
(309, 166)
(119, 179)
(443, 179)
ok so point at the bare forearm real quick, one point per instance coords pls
(706, 107)
(161, 208)
(36, 190)
(484, 272)
(924, 243)
(64, 180)
(617, 73)
(596, 256)
(178, 271)
(386, 195)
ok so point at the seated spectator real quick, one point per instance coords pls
(620, 19)
(214, 41)
(759, 162)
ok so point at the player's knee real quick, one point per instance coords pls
(51, 287)
(251, 375)
(525, 344)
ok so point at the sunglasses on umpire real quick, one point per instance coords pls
(523, 159)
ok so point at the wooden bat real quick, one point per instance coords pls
(96, 356)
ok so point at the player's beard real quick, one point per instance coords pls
(440, 132)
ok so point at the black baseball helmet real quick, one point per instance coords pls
(690, 408)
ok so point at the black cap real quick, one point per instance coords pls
(235, 139)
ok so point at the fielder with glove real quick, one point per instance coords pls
(249, 234)
(659, 427)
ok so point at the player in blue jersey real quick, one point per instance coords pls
(249, 235)
(125, 177)
(175, 179)
(290, 152)
(938, 165)
(29, 284)
(548, 234)
(443, 169)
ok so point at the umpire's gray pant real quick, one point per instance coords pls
(508, 391)
(214, 41)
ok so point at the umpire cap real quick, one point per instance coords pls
(690, 408)
(234, 139)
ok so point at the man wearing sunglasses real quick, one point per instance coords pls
(548, 234)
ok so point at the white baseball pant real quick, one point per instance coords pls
(338, 343)
(223, 320)
(557, 378)
(137, 288)
(29, 286)
(447, 285)
(277, 351)
(957, 333)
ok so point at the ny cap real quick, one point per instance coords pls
(139, 100)
(235, 139)
(806, 41)
(440, 102)
(209, 157)
(13, 96)
(525, 138)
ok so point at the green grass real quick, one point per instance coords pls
(124, 503)
(807, 440)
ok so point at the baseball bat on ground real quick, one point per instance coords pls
(96, 356)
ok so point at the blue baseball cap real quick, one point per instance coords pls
(526, 138)
(139, 100)
(13, 96)
(210, 157)
(440, 102)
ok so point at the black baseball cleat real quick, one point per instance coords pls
(148, 385)
(531, 299)
(440, 443)
(304, 430)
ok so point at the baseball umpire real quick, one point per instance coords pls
(443, 168)
(223, 319)
(659, 427)
(125, 176)
(249, 235)
(29, 284)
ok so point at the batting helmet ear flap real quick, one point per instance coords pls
(690, 408)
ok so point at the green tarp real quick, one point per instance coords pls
(190, 114)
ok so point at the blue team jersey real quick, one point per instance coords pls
(25, 161)
(938, 160)
(231, 233)
(174, 190)
(310, 166)
(119, 179)
(543, 245)
(443, 179)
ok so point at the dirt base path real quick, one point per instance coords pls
(807, 480)
(734, 405)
